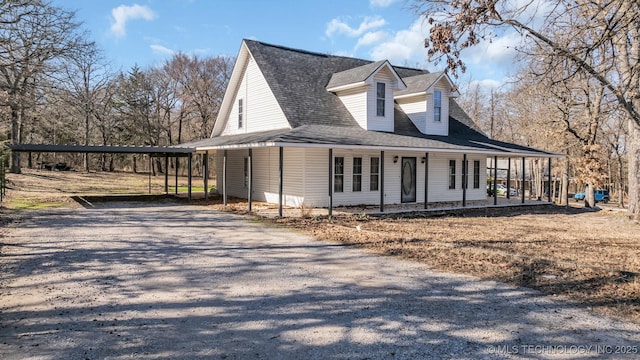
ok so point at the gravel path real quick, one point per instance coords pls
(175, 281)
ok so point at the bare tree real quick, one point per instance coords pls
(85, 76)
(458, 24)
(202, 84)
(32, 35)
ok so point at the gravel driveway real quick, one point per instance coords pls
(175, 281)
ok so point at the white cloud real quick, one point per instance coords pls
(381, 3)
(159, 49)
(337, 26)
(123, 13)
(406, 45)
(372, 38)
(501, 51)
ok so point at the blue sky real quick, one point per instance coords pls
(147, 32)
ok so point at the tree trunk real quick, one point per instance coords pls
(589, 196)
(633, 143)
(621, 186)
(564, 190)
(15, 139)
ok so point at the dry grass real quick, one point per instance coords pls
(590, 257)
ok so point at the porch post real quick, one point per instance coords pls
(166, 173)
(508, 178)
(250, 190)
(330, 182)
(281, 183)
(464, 180)
(177, 167)
(426, 179)
(495, 180)
(224, 178)
(549, 182)
(523, 178)
(381, 181)
(189, 174)
(205, 163)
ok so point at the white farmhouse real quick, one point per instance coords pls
(300, 128)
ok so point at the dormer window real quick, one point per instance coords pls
(380, 99)
(240, 114)
(437, 106)
(367, 93)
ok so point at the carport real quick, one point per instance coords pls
(152, 151)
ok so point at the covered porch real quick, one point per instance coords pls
(280, 208)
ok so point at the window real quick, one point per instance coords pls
(357, 174)
(338, 174)
(374, 174)
(452, 174)
(437, 105)
(246, 172)
(240, 114)
(380, 96)
(476, 174)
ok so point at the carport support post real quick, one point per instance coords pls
(189, 163)
(177, 167)
(250, 190)
(523, 176)
(166, 173)
(205, 164)
(426, 179)
(150, 165)
(281, 179)
(381, 181)
(549, 182)
(495, 180)
(465, 170)
(224, 178)
(508, 178)
(330, 182)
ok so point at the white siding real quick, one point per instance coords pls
(375, 122)
(316, 169)
(306, 177)
(361, 103)
(438, 127)
(235, 173)
(416, 109)
(261, 109)
(439, 178)
(266, 177)
(355, 100)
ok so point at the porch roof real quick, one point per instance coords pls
(348, 137)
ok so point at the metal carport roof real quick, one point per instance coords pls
(154, 150)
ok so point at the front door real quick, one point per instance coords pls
(408, 181)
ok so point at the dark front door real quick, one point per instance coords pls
(408, 181)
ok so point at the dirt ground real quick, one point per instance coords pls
(167, 280)
(592, 257)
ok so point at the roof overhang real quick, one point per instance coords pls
(429, 89)
(463, 150)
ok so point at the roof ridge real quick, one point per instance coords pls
(327, 55)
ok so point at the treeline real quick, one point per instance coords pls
(56, 87)
(576, 118)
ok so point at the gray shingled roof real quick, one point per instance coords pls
(418, 83)
(299, 79)
(355, 75)
(464, 139)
